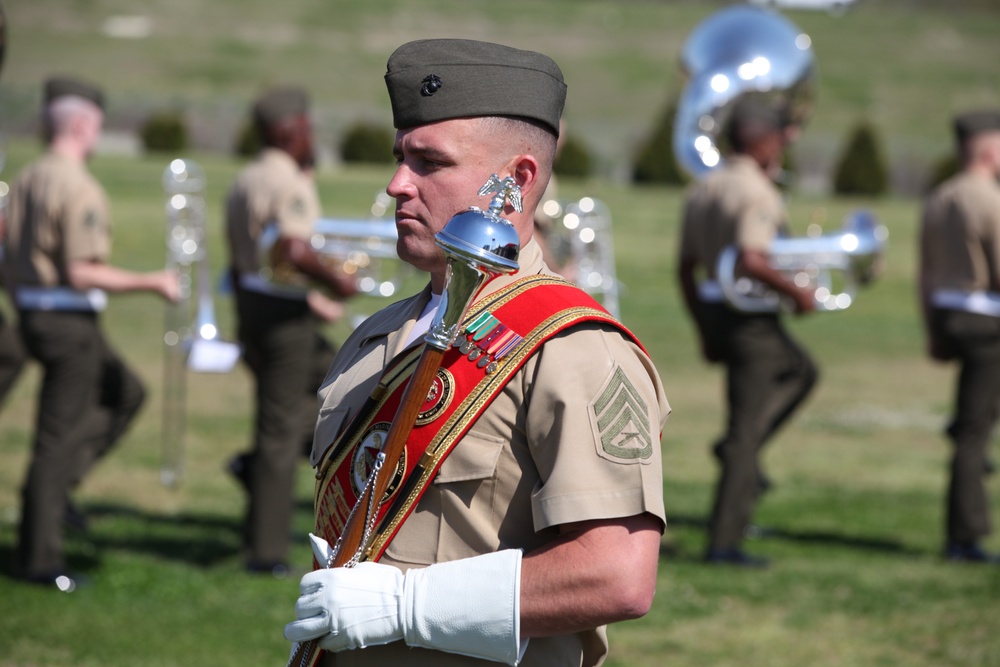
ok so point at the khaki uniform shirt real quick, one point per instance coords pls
(271, 189)
(960, 235)
(58, 214)
(735, 204)
(533, 461)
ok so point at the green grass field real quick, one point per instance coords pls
(854, 523)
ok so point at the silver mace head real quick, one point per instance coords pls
(479, 246)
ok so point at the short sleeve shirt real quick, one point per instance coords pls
(58, 214)
(271, 189)
(960, 235)
(540, 456)
(735, 204)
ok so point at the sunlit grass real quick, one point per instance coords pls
(853, 524)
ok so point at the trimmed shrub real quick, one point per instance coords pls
(367, 143)
(164, 132)
(574, 158)
(655, 161)
(861, 169)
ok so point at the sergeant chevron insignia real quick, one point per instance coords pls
(621, 416)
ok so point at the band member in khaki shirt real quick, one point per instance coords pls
(960, 298)
(12, 352)
(56, 264)
(543, 524)
(768, 374)
(279, 320)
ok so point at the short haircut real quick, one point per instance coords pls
(536, 134)
(61, 111)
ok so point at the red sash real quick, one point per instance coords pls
(501, 332)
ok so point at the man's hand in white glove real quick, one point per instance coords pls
(349, 608)
(468, 606)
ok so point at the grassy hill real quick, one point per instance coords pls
(906, 65)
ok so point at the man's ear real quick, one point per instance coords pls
(525, 170)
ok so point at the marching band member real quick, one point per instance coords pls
(56, 265)
(12, 353)
(960, 298)
(541, 524)
(279, 325)
(768, 374)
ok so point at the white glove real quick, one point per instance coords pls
(469, 606)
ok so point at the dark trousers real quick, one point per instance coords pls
(975, 341)
(12, 357)
(289, 358)
(768, 376)
(86, 401)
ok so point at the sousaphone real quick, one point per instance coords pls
(746, 51)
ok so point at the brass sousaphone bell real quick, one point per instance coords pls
(739, 51)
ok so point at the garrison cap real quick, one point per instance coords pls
(440, 79)
(968, 125)
(60, 86)
(279, 103)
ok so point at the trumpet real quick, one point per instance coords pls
(360, 247)
(582, 242)
(191, 335)
(833, 265)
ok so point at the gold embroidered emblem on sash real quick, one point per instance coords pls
(438, 398)
(363, 461)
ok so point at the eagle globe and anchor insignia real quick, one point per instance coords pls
(438, 397)
(437, 401)
(363, 461)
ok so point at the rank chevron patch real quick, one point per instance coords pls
(622, 420)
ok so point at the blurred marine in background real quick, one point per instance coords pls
(279, 315)
(56, 265)
(768, 373)
(960, 298)
(12, 353)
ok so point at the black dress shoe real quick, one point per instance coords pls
(960, 552)
(61, 580)
(735, 557)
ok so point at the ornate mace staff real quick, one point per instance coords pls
(479, 246)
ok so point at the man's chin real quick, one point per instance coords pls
(421, 257)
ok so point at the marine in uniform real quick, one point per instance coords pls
(279, 316)
(543, 523)
(58, 246)
(960, 295)
(767, 373)
(12, 353)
